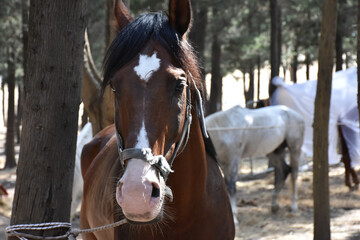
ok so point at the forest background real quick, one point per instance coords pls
(237, 39)
(232, 39)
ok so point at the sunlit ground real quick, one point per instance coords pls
(257, 221)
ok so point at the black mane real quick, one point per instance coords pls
(132, 39)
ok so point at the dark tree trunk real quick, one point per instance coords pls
(50, 118)
(258, 77)
(339, 50)
(294, 64)
(25, 32)
(294, 68)
(10, 130)
(358, 56)
(244, 79)
(198, 32)
(275, 42)
(339, 37)
(307, 63)
(214, 103)
(19, 114)
(321, 122)
(3, 102)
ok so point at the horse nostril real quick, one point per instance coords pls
(155, 191)
(119, 186)
(119, 195)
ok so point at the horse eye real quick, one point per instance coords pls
(112, 87)
(180, 86)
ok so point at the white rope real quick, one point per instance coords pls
(72, 233)
(13, 231)
(241, 128)
(214, 129)
(76, 232)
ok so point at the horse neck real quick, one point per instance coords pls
(188, 182)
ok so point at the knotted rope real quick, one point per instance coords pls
(71, 234)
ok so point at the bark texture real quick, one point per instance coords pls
(50, 119)
(321, 122)
(275, 42)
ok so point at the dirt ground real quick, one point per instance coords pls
(253, 200)
(257, 222)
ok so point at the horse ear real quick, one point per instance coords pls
(180, 15)
(122, 15)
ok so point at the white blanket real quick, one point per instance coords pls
(343, 111)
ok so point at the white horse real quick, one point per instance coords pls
(239, 133)
(84, 137)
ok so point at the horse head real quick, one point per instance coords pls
(153, 73)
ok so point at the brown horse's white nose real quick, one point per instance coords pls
(139, 192)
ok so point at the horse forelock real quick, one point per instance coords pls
(132, 39)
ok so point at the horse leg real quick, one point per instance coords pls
(294, 163)
(349, 172)
(231, 174)
(355, 179)
(346, 160)
(281, 172)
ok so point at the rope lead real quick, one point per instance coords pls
(71, 234)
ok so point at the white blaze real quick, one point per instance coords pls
(147, 66)
(142, 140)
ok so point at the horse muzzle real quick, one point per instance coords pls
(140, 192)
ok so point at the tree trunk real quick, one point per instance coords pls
(339, 50)
(294, 68)
(339, 37)
(258, 77)
(294, 64)
(307, 63)
(321, 122)
(251, 86)
(214, 103)
(19, 114)
(358, 56)
(198, 32)
(3, 102)
(50, 118)
(25, 32)
(275, 42)
(10, 130)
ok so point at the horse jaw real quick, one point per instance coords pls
(140, 192)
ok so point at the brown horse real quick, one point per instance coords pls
(151, 167)
(346, 160)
